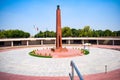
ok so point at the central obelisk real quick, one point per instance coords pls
(58, 29)
(59, 32)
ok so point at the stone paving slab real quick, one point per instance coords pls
(20, 62)
(112, 75)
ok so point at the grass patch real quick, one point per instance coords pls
(32, 53)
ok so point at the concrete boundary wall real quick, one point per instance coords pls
(67, 40)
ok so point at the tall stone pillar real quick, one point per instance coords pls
(58, 29)
(59, 32)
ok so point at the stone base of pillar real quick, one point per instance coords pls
(59, 50)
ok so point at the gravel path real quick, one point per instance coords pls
(20, 62)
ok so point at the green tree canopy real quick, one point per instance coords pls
(107, 33)
(87, 31)
(75, 32)
(45, 34)
(14, 34)
(66, 32)
(84, 32)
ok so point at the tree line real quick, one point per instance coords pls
(85, 32)
(14, 34)
(66, 32)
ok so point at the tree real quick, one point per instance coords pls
(45, 34)
(75, 32)
(40, 34)
(53, 34)
(118, 33)
(87, 31)
(49, 33)
(107, 33)
(26, 35)
(95, 33)
(114, 33)
(80, 32)
(66, 32)
(14, 34)
(2, 35)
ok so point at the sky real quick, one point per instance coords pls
(25, 14)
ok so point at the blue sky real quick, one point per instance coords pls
(23, 14)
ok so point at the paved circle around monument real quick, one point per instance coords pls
(20, 62)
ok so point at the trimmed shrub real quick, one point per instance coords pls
(85, 51)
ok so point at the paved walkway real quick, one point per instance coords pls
(112, 75)
(19, 62)
(107, 47)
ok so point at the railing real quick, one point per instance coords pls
(73, 67)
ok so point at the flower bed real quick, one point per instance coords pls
(33, 53)
(48, 53)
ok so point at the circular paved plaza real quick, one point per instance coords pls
(18, 61)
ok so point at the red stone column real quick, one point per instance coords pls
(58, 29)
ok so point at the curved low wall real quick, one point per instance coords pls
(67, 40)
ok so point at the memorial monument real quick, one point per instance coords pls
(58, 51)
(58, 28)
(59, 32)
